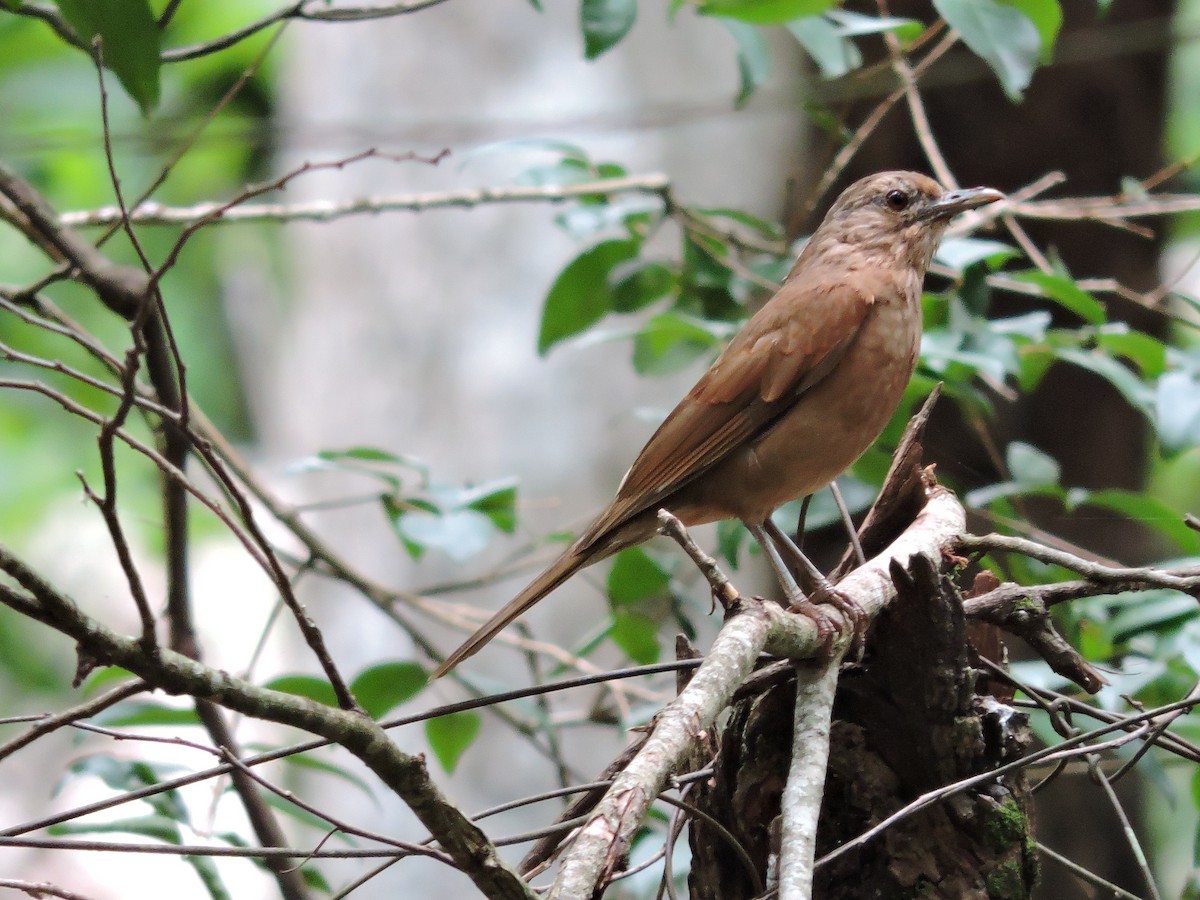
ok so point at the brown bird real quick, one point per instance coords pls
(795, 398)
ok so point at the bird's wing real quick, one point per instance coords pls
(792, 343)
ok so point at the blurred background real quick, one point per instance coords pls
(415, 334)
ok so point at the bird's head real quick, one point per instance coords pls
(897, 217)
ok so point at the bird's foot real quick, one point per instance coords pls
(829, 628)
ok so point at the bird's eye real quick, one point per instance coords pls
(897, 200)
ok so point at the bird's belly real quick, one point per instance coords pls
(822, 435)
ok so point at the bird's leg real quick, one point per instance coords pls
(803, 517)
(851, 531)
(824, 592)
(827, 628)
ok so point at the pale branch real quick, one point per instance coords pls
(800, 807)
(150, 213)
(1185, 579)
(1106, 209)
(41, 889)
(755, 627)
(175, 673)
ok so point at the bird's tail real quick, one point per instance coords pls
(572, 560)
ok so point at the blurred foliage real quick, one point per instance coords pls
(673, 311)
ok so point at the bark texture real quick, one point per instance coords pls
(905, 722)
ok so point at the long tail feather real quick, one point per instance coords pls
(572, 560)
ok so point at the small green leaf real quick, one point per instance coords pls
(126, 715)
(1002, 35)
(497, 500)
(131, 775)
(1154, 611)
(639, 282)
(636, 576)
(852, 24)
(637, 635)
(105, 678)
(1139, 394)
(449, 737)
(1177, 409)
(309, 686)
(962, 252)
(764, 12)
(130, 42)
(1067, 294)
(155, 827)
(753, 58)
(834, 54)
(1148, 353)
(581, 295)
(1046, 16)
(312, 764)
(1149, 511)
(604, 23)
(365, 454)
(670, 341)
(381, 688)
(313, 879)
(731, 536)
(460, 534)
(1030, 466)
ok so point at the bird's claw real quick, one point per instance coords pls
(829, 628)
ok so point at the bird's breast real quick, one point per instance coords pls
(827, 429)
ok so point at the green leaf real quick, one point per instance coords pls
(1154, 611)
(1002, 35)
(449, 736)
(639, 282)
(130, 42)
(1148, 353)
(581, 295)
(852, 24)
(126, 715)
(154, 827)
(962, 252)
(669, 342)
(313, 879)
(604, 23)
(1067, 294)
(460, 534)
(637, 635)
(1177, 409)
(105, 678)
(131, 775)
(731, 535)
(821, 39)
(312, 764)
(309, 686)
(366, 454)
(753, 58)
(1046, 16)
(1030, 466)
(381, 688)
(636, 576)
(1140, 395)
(497, 500)
(1147, 510)
(764, 12)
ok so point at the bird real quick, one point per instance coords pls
(800, 392)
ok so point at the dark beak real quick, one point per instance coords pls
(952, 203)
